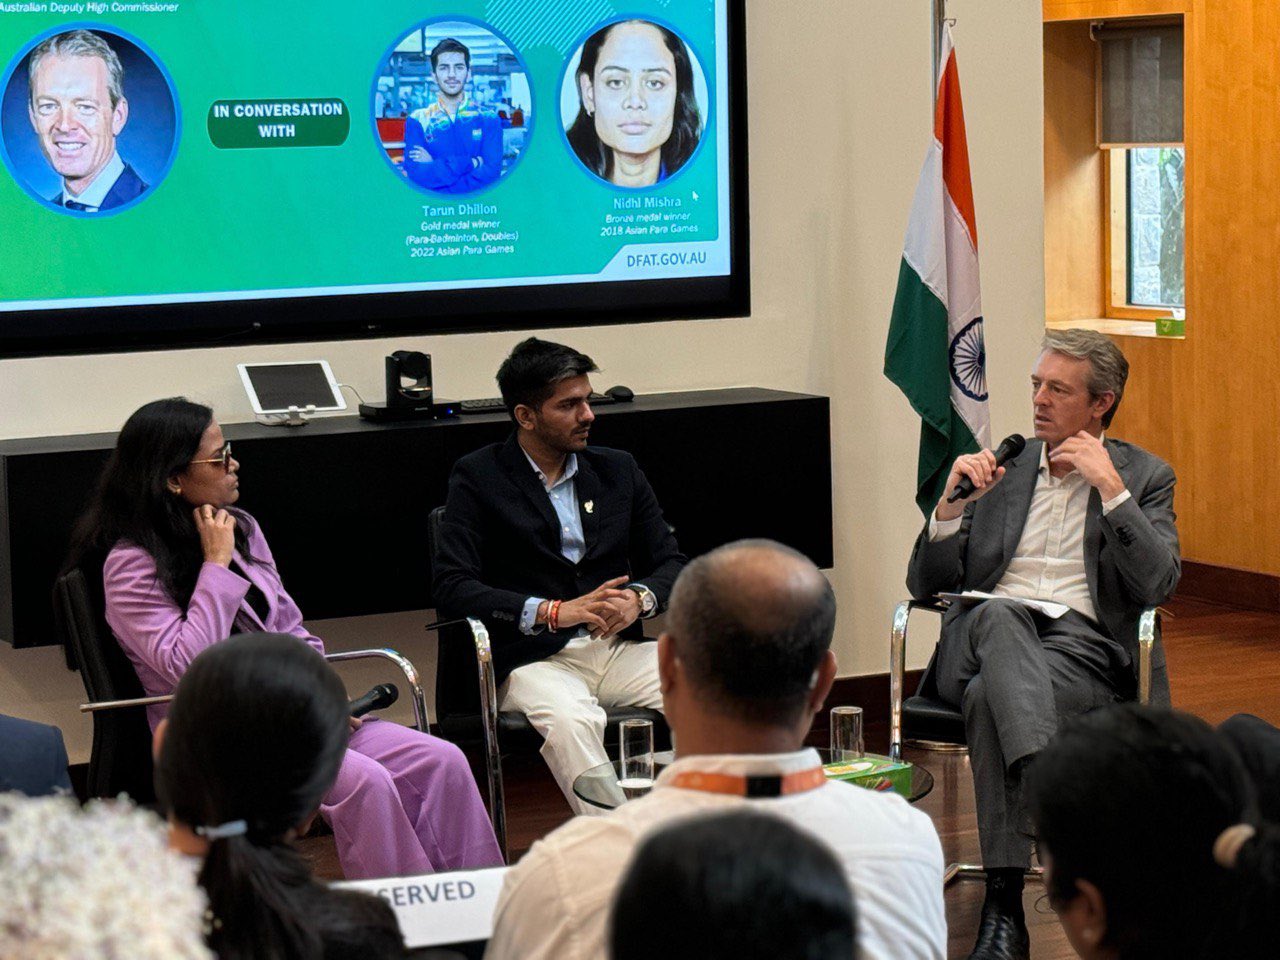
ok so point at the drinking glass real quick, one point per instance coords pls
(635, 743)
(846, 734)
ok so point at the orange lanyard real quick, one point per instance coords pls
(751, 787)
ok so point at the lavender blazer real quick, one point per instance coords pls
(161, 638)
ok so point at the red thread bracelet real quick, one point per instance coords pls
(553, 616)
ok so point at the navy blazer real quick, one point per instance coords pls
(33, 758)
(500, 544)
(128, 187)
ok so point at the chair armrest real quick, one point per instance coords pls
(421, 720)
(1148, 626)
(404, 663)
(123, 704)
(489, 720)
(489, 714)
(898, 665)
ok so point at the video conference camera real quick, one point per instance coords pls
(410, 395)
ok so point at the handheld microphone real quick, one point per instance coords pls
(379, 698)
(1009, 448)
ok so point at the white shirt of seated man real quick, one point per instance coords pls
(555, 902)
(1048, 563)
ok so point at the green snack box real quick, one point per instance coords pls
(873, 772)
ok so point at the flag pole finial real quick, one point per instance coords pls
(939, 28)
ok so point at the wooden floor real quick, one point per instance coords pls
(1221, 661)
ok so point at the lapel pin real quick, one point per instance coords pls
(589, 506)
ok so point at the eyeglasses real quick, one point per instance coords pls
(223, 457)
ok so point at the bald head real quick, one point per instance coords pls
(751, 621)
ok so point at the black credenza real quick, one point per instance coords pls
(344, 503)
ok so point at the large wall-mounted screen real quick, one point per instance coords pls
(203, 172)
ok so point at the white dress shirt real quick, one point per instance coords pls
(555, 902)
(1048, 563)
(96, 192)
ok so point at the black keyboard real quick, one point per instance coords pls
(487, 405)
(496, 405)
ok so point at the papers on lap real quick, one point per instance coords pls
(972, 597)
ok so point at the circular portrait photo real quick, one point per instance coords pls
(634, 103)
(452, 106)
(89, 121)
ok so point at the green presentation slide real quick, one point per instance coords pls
(205, 150)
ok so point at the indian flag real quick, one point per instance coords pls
(935, 352)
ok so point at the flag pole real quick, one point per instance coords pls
(939, 25)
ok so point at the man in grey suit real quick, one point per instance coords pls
(1075, 519)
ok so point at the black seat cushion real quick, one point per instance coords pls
(924, 718)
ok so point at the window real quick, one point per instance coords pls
(1147, 186)
(1140, 130)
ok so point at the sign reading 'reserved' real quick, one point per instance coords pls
(439, 908)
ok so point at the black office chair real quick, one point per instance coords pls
(120, 760)
(926, 719)
(467, 701)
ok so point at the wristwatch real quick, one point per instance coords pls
(648, 602)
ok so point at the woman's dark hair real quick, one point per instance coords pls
(686, 128)
(133, 503)
(257, 731)
(1132, 799)
(737, 886)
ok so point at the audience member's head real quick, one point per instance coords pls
(737, 886)
(1257, 743)
(747, 642)
(1147, 824)
(254, 739)
(97, 882)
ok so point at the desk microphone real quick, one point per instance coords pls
(379, 698)
(1009, 448)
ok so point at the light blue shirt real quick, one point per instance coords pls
(573, 541)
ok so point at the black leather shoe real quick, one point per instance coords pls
(1002, 935)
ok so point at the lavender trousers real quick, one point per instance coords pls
(405, 804)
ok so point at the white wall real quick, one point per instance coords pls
(840, 120)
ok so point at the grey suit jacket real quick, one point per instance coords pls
(1131, 555)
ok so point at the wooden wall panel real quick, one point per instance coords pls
(1073, 196)
(1101, 9)
(1209, 403)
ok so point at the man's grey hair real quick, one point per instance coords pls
(1108, 368)
(79, 43)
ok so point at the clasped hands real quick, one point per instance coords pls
(1083, 453)
(607, 610)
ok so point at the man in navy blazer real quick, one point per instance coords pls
(560, 548)
(33, 758)
(78, 108)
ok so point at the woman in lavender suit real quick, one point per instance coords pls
(185, 570)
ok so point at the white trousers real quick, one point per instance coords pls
(565, 695)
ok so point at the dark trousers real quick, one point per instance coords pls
(1014, 673)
